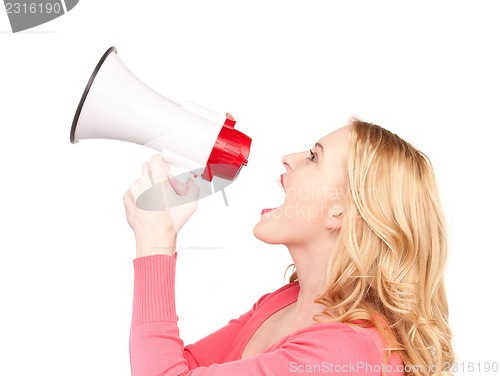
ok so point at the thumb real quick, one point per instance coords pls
(189, 199)
(193, 191)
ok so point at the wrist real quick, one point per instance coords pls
(148, 247)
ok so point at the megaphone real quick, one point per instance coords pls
(117, 105)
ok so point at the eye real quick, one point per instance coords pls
(312, 156)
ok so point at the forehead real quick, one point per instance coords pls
(337, 141)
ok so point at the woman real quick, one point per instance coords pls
(363, 223)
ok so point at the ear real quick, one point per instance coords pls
(334, 220)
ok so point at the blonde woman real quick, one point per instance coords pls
(363, 224)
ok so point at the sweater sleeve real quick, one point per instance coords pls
(157, 350)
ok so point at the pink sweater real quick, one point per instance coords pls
(320, 349)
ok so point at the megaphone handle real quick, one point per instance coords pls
(224, 196)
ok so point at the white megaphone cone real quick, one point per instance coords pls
(117, 105)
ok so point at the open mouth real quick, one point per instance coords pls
(281, 185)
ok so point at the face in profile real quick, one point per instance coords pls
(315, 183)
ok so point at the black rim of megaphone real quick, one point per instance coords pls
(86, 92)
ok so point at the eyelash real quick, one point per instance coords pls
(312, 156)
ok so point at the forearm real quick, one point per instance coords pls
(155, 346)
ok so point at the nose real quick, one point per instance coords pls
(290, 160)
(286, 160)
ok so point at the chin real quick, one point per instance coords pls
(265, 234)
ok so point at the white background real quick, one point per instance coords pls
(289, 72)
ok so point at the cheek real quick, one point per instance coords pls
(306, 210)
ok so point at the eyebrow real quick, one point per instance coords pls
(320, 146)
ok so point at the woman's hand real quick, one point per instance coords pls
(156, 231)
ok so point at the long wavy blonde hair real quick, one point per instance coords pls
(389, 266)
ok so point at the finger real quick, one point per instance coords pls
(159, 169)
(138, 187)
(179, 187)
(193, 190)
(146, 174)
(128, 200)
(134, 190)
(191, 195)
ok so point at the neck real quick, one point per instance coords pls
(311, 263)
